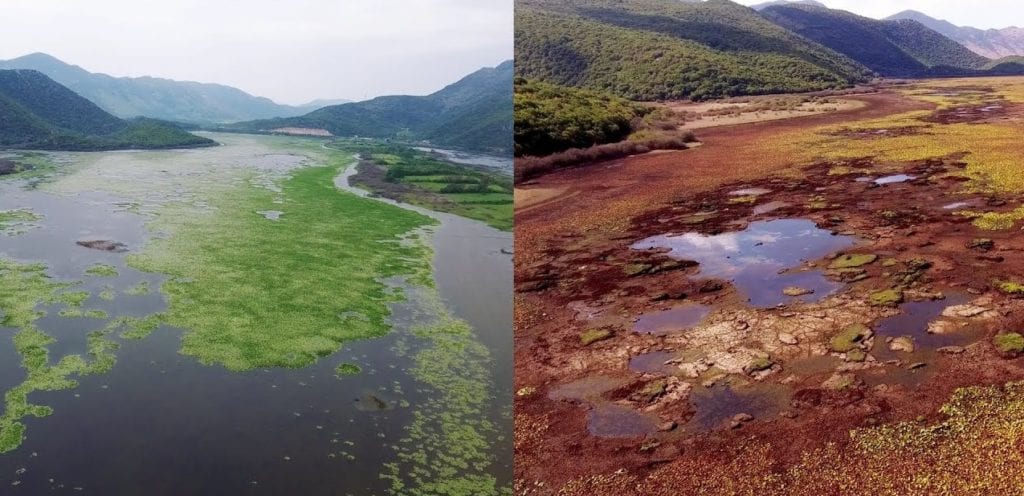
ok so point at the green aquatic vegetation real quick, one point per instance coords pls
(446, 448)
(139, 289)
(347, 369)
(73, 299)
(140, 328)
(252, 293)
(107, 295)
(22, 289)
(78, 312)
(15, 222)
(101, 270)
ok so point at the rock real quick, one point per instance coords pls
(982, 244)
(902, 343)
(917, 365)
(591, 336)
(742, 417)
(952, 350)
(856, 355)
(103, 245)
(839, 382)
(849, 338)
(758, 365)
(526, 391)
(963, 311)
(886, 298)
(1010, 343)
(941, 327)
(667, 426)
(637, 269)
(711, 287)
(795, 291)
(786, 338)
(851, 261)
(788, 414)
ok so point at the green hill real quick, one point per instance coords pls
(552, 118)
(898, 48)
(38, 113)
(665, 49)
(180, 101)
(474, 113)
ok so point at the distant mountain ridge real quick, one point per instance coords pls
(38, 113)
(991, 43)
(474, 113)
(180, 101)
(895, 48)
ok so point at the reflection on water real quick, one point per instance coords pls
(759, 259)
(670, 321)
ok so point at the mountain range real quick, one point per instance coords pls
(991, 43)
(38, 113)
(672, 49)
(474, 113)
(899, 48)
(179, 101)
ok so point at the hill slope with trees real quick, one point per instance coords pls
(38, 113)
(662, 49)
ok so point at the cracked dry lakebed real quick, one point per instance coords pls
(823, 305)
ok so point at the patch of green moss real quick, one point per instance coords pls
(849, 338)
(101, 270)
(636, 269)
(347, 369)
(1011, 288)
(15, 222)
(856, 355)
(759, 364)
(1010, 342)
(850, 261)
(886, 298)
(591, 336)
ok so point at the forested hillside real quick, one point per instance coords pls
(474, 113)
(662, 49)
(37, 112)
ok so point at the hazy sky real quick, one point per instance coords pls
(982, 14)
(291, 51)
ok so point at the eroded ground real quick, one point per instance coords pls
(791, 308)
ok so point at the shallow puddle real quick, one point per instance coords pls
(653, 363)
(756, 260)
(671, 321)
(913, 322)
(617, 421)
(716, 406)
(750, 192)
(894, 179)
(585, 388)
